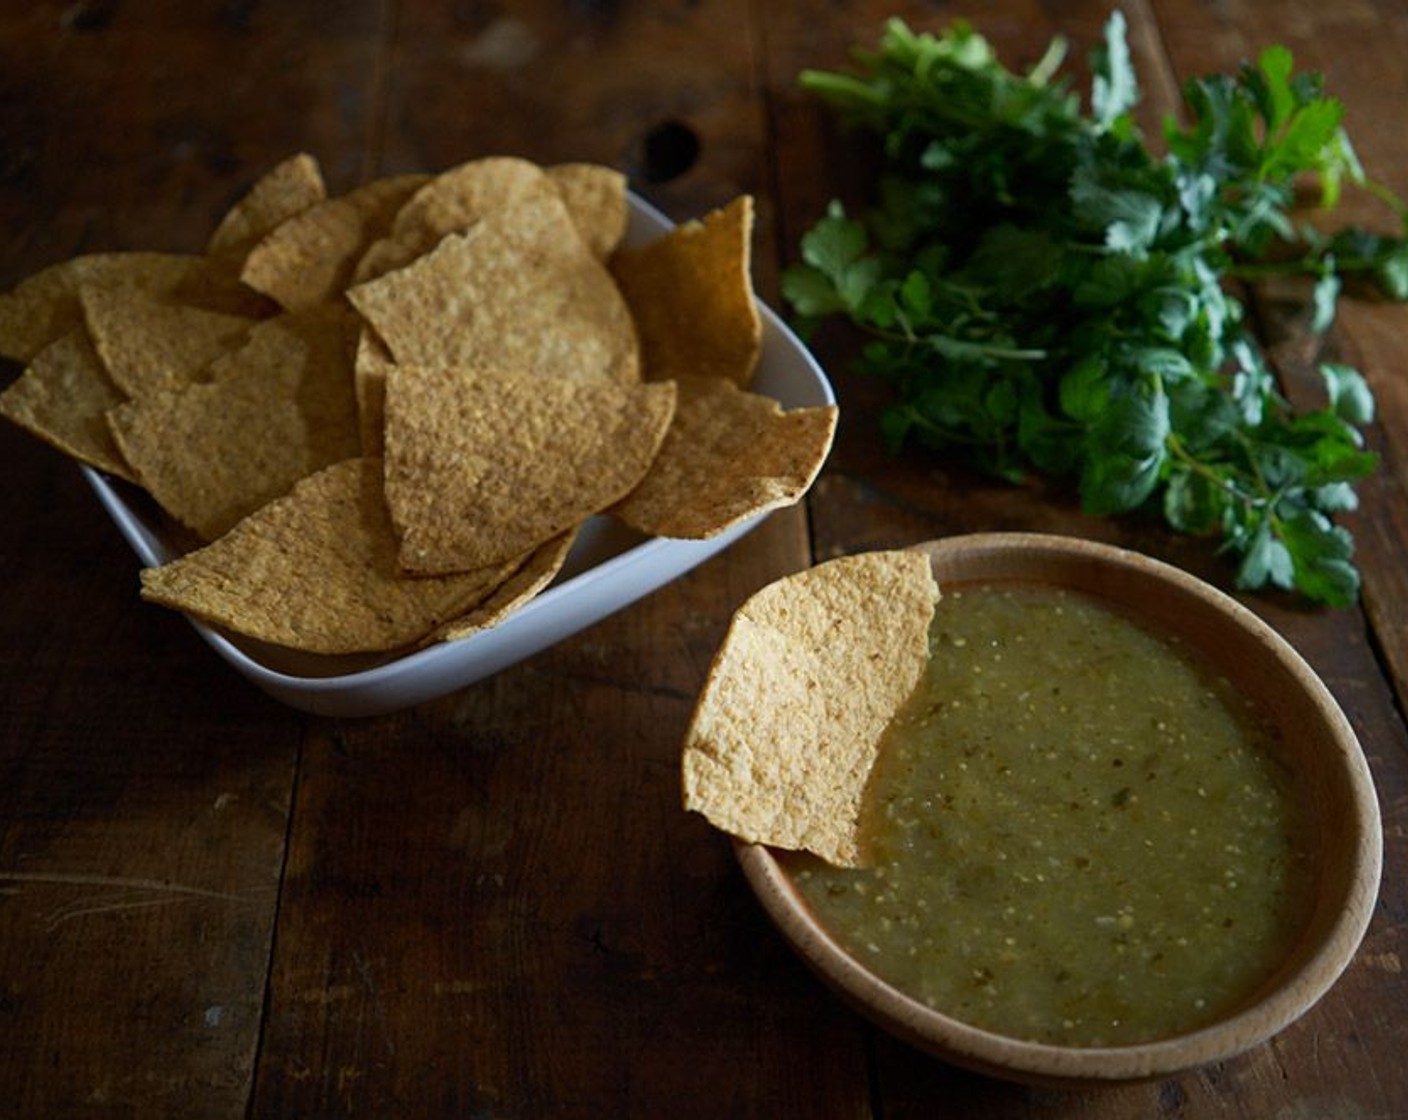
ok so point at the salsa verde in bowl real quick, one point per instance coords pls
(1119, 830)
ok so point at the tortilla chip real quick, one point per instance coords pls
(483, 466)
(473, 400)
(274, 411)
(149, 344)
(369, 372)
(535, 574)
(316, 571)
(518, 292)
(45, 307)
(728, 456)
(691, 292)
(309, 258)
(286, 189)
(596, 199)
(450, 202)
(811, 672)
(63, 398)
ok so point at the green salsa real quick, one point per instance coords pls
(1076, 835)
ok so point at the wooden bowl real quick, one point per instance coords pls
(1345, 819)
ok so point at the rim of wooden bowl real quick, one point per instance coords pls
(1320, 739)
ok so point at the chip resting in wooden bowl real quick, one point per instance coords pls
(443, 369)
(1118, 830)
(811, 672)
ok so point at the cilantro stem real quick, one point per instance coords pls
(1179, 451)
(937, 341)
(1299, 266)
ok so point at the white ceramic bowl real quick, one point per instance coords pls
(608, 568)
(1319, 741)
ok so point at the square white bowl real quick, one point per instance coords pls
(608, 568)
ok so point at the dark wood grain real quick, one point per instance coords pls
(492, 904)
(496, 903)
(141, 828)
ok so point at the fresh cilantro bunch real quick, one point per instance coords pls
(1046, 293)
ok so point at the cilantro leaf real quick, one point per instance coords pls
(1114, 86)
(1103, 340)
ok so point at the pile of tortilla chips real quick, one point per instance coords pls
(810, 674)
(384, 416)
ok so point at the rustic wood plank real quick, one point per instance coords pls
(1357, 48)
(145, 788)
(1326, 1058)
(495, 903)
(1372, 340)
(581, 81)
(136, 126)
(142, 816)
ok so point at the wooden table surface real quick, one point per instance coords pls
(492, 904)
